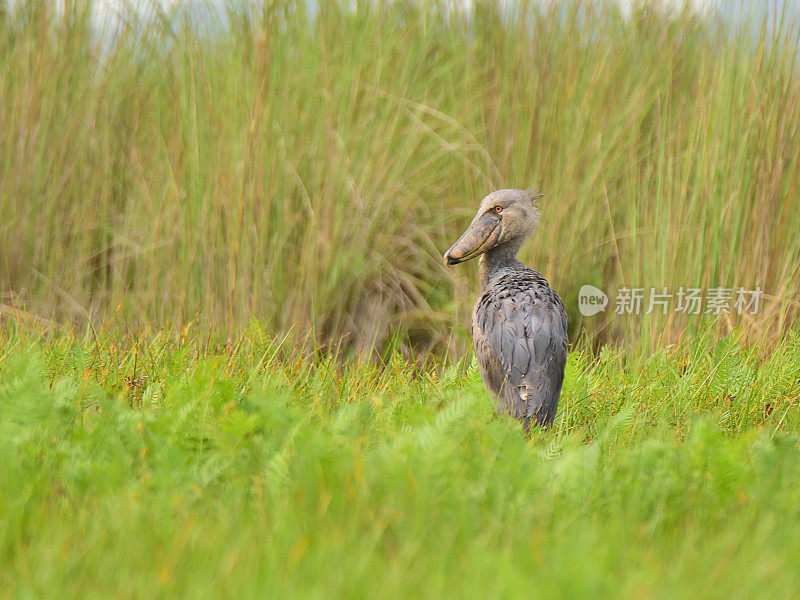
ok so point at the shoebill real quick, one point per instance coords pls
(519, 324)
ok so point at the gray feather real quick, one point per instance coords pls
(520, 332)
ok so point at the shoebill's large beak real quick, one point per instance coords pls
(481, 235)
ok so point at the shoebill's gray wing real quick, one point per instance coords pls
(521, 344)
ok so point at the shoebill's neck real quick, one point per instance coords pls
(496, 259)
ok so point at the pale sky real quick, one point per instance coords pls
(107, 13)
(116, 7)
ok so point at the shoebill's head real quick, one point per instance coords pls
(506, 218)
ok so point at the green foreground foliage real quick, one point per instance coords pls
(240, 472)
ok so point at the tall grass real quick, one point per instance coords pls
(309, 170)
